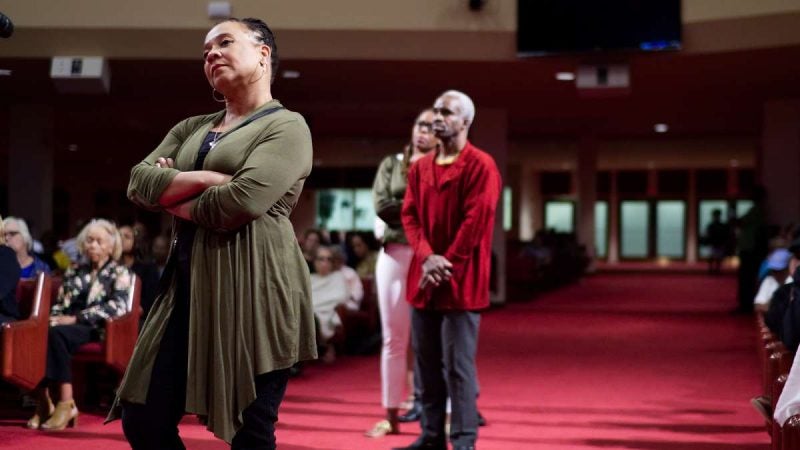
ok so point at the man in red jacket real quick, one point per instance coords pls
(448, 215)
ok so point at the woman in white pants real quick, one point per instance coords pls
(391, 271)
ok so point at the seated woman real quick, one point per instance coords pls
(312, 239)
(355, 287)
(364, 255)
(328, 290)
(133, 258)
(9, 277)
(18, 237)
(90, 294)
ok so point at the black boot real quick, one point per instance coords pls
(424, 444)
(413, 414)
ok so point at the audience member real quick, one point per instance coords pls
(391, 274)
(448, 215)
(328, 290)
(52, 255)
(774, 243)
(160, 251)
(9, 277)
(18, 237)
(89, 295)
(789, 401)
(312, 239)
(786, 296)
(778, 266)
(355, 288)
(363, 255)
(133, 258)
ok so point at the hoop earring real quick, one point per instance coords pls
(214, 96)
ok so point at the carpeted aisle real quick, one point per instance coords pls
(652, 362)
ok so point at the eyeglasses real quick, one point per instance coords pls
(423, 125)
(10, 234)
(324, 258)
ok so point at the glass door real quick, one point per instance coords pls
(634, 229)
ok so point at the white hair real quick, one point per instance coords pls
(23, 230)
(467, 106)
(110, 228)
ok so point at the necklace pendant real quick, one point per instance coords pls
(212, 144)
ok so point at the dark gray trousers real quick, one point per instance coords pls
(445, 343)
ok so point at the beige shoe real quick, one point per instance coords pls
(65, 414)
(43, 413)
(381, 429)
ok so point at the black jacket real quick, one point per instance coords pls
(9, 277)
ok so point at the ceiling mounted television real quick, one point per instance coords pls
(572, 26)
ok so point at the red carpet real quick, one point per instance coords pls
(651, 362)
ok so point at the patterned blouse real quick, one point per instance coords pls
(93, 301)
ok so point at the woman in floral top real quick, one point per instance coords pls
(89, 295)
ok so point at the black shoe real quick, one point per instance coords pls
(412, 415)
(481, 420)
(296, 370)
(424, 444)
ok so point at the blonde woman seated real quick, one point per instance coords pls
(89, 295)
(328, 290)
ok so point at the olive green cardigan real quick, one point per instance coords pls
(250, 295)
(388, 191)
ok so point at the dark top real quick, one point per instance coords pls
(186, 228)
(149, 274)
(9, 277)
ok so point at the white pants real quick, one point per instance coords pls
(391, 273)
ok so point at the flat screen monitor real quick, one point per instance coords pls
(573, 26)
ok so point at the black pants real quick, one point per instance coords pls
(154, 425)
(62, 342)
(445, 343)
(6, 319)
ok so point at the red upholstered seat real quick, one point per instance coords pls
(116, 349)
(23, 343)
(91, 347)
(120, 336)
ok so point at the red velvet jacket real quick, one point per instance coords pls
(452, 217)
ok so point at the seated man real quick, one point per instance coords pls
(328, 290)
(778, 266)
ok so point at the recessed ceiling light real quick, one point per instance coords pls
(734, 163)
(5, 73)
(291, 74)
(661, 128)
(72, 147)
(565, 76)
